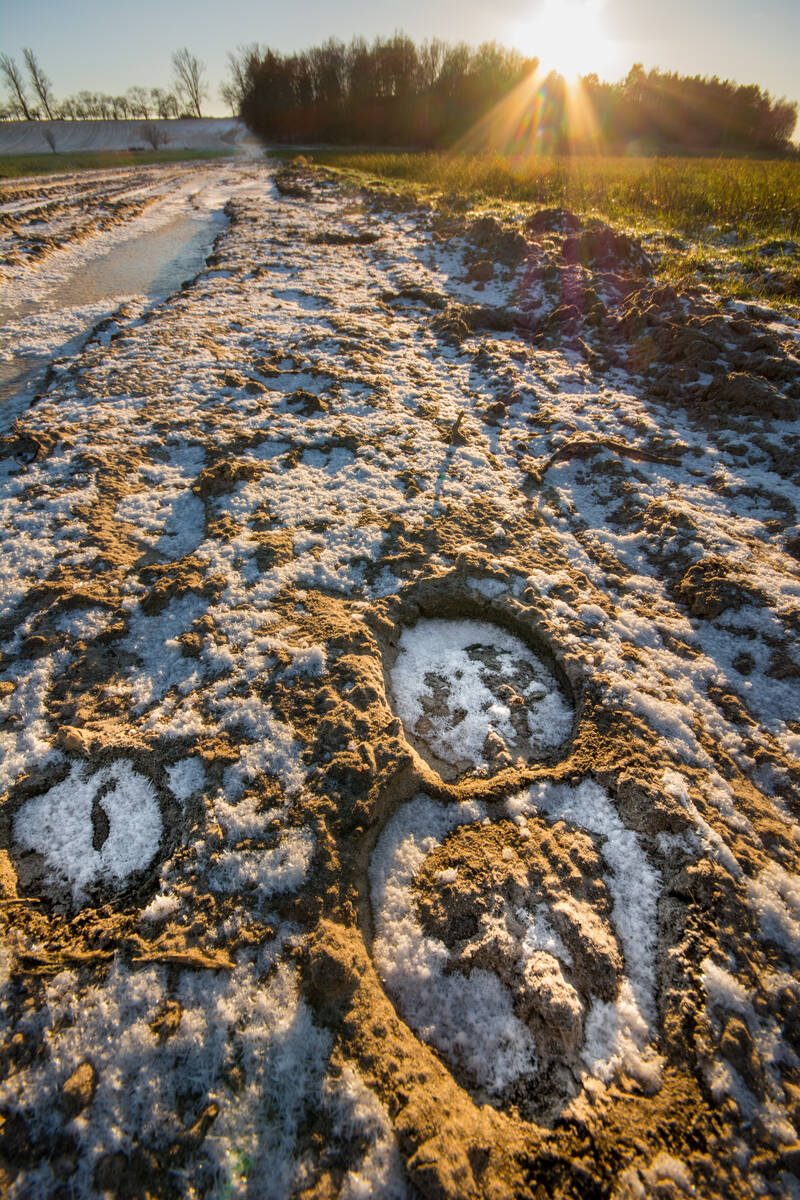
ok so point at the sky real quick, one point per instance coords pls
(107, 47)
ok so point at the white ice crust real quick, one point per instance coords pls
(58, 825)
(444, 654)
(470, 1018)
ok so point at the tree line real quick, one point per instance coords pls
(30, 96)
(659, 108)
(392, 92)
(397, 93)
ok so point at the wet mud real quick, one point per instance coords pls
(269, 928)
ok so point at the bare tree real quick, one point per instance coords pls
(431, 56)
(189, 83)
(164, 103)
(240, 65)
(228, 94)
(84, 105)
(15, 84)
(39, 81)
(152, 134)
(139, 102)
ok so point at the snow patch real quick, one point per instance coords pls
(185, 778)
(456, 683)
(470, 1017)
(357, 1113)
(774, 895)
(58, 825)
(281, 869)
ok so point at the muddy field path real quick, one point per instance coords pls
(399, 694)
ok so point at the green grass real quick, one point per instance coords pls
(13, 166)
(713, 213)
(681, 194)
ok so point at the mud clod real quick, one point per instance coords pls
(78, 1091)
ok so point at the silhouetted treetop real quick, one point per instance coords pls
(394, 92)
(391, 92)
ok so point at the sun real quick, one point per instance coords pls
(568, 36)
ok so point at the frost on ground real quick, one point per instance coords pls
(534, 982)
(98, 829)
(317, 878)
(476, 696)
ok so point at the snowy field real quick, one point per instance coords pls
(74, 137)
(399, 709)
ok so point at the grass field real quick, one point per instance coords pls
(14, 166)
(732, 222)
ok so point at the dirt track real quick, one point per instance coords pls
(261, 939)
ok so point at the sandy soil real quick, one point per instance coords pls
(262, 936)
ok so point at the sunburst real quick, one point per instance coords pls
(568, 36)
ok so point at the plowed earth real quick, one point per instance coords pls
(540, 936)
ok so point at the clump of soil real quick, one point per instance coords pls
(593, 289)
(535, 911)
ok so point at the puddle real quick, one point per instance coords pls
(473, 697)
(13, 377)
(152, 265)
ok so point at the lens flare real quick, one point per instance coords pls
(542, 115)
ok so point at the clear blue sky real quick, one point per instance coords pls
(104, 45)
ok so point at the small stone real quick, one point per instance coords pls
(546, 994)
(736, 1044)
(495, 749)
(73, 739)
(78, 1091)
(8, 877)
(790, 1158)
(34, 645)
(190, 644)
(167, 1023)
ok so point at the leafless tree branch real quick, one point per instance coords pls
(189, 83)
(39, 81)
(15, 84)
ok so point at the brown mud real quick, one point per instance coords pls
(186, 375)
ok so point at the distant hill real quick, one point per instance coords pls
(72, 137)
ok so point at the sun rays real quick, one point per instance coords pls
(568, 36)
(550, 110)
(542, 115)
